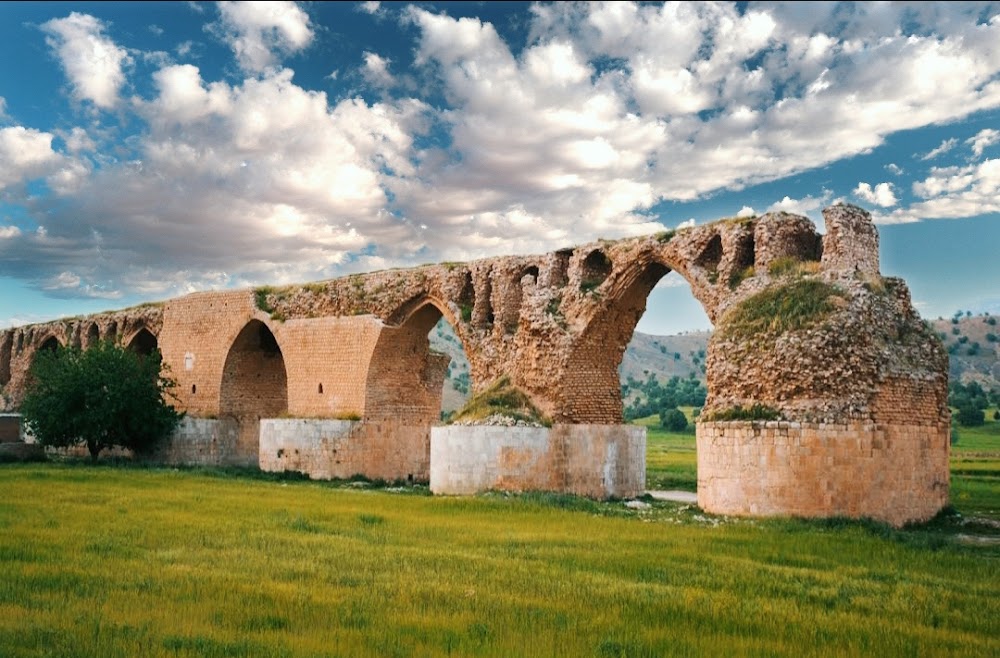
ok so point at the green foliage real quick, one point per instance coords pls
(656, 398)
(466, 312)
(260, 297)
(969, 415)
(793, 306)
(673, 420)
(504, 399)
(991, 321)
(755, 412)
(736, 278)
(664, 237)
(101, 397)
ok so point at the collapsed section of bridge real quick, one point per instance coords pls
(827, 394)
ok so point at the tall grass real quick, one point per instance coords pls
(126, 562)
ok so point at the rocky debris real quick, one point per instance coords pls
(500, 420)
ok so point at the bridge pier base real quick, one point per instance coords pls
(598, 461)
(893, 473)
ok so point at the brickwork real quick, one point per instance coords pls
(895, 473)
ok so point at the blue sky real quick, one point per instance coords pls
(152, 149)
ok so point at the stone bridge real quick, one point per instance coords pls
(827, 393)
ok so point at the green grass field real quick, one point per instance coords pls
(111, 561)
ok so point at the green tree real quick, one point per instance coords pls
(673, 420)
(100, 397)
(969, 415)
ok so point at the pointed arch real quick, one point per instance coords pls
(143, 342)
(405, 376)
(254, 386)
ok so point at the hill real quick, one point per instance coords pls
(973, 343)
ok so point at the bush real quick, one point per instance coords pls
(797, 305)
(101, 397)
(673, 420)
(970, 416)
(996, 415)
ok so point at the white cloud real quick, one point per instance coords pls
(746, 211)
(894, 169)
(689, 223)
(942, 148)
(882, 195)
(7, 232)
(91, 60)
(982, 139)
(258, 32)
(370, 7)
(376, 71)
(806, 206)
(26, 154)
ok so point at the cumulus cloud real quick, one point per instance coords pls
(26, 154)
(806, 206)
(882, 195)
(608, 110)
(370, 7)
(983, 139)
(376, 71)
(746, 211)
(942, 148)
(92, 61)
(258, 32)
(894, 169)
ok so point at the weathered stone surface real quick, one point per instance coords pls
(557, 325)
(599, 461)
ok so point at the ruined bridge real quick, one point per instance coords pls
(827, 393)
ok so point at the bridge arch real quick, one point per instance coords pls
(254, 386)
(93, 335)
(142, 342)
(405, 377)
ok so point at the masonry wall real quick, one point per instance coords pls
(896, 473)
(600, 461)
(340, 449)
(203, 442)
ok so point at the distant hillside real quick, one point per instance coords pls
(973, 343)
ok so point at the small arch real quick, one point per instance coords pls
(194, 389)
(596, 267)
(711, 256)
(143, 342)
(93, 334)
(50, 344)
(532, 272)
(320, 388)
(111, 333)
(20, 342)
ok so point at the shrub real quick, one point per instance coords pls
(755, 412)
(673, 420)
(969, 415)
(996, 415)
(101, 397)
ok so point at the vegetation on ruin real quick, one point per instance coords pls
(501, 399)
(736, 278)
(753, 412)
(103, 397)
(793, 306)
(791, 266)
(663, 237)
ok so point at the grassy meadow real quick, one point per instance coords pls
(111, 561)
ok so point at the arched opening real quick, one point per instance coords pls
(111, 333)
(93, 335)
(254, 386)
(596, 267)
(407, 379)
(143, 342)
(642, 360)
(710, 257)
(50, 344)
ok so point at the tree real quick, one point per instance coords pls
(100, 397)
(969, 415)
(673, 420)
